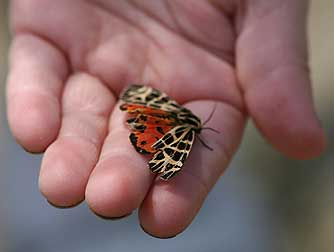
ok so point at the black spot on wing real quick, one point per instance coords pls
(177, 155)
(133, 138)
(168, 175)
(174, 105)
(189, 136)
(175, 144)
(162, 100)
(151, 96)
(184, 157)
(134, 141)
(181, 145)
(131, 120)
(159, 145)
(140, 127)
(191, 122)
(123, 107)
(142, 151)
(156, 167)
(160, 156)
(156, 106)
(165, 175)
(179, 132)
(169, 151)
(169, 166)
(173, 114)
(168, 138)
(160, 130)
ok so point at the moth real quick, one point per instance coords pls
(160, 126)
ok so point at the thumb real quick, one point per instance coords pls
(274, 75)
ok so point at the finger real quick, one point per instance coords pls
(272, 67)
(170, 206)
(68, 162)
(121, 177)
(36, 77)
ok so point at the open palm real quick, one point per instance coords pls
(71, 59)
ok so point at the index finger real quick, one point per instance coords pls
(35, 81)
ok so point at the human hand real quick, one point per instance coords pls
(71, 59)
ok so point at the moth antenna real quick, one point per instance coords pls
(204, 144)
(209, 118)
(214, 130)
(211, 114)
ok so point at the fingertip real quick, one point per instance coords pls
(160, 221)
(111, 218)
(34, 121)
(34, 84)
(282, 108)
(59, 193)
(156, 236)
(63, 176)
(112, 193)
(305, 144)
(65, 207)
(170, 206)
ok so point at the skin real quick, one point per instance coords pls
(70, 60)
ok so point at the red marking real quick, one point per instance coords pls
(157, 123)
(142, 109)
(146, 139)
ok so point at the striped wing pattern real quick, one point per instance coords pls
(172, 151)
(150, 97)
(160, 126)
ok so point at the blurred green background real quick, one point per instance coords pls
(265, 202)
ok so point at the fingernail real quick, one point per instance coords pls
(64, 207)
(158, 237)
(32, 152)
(112, 218)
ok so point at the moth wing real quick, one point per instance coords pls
(173, 150)
(144, 136)
(142, 121)
(148, 125)
(143, 141)
(150, 97)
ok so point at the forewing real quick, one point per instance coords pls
(172, 151)
(135, 109)
(143, 120)
(150, 97)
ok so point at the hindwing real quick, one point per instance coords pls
(148, 128)
(172, 151)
